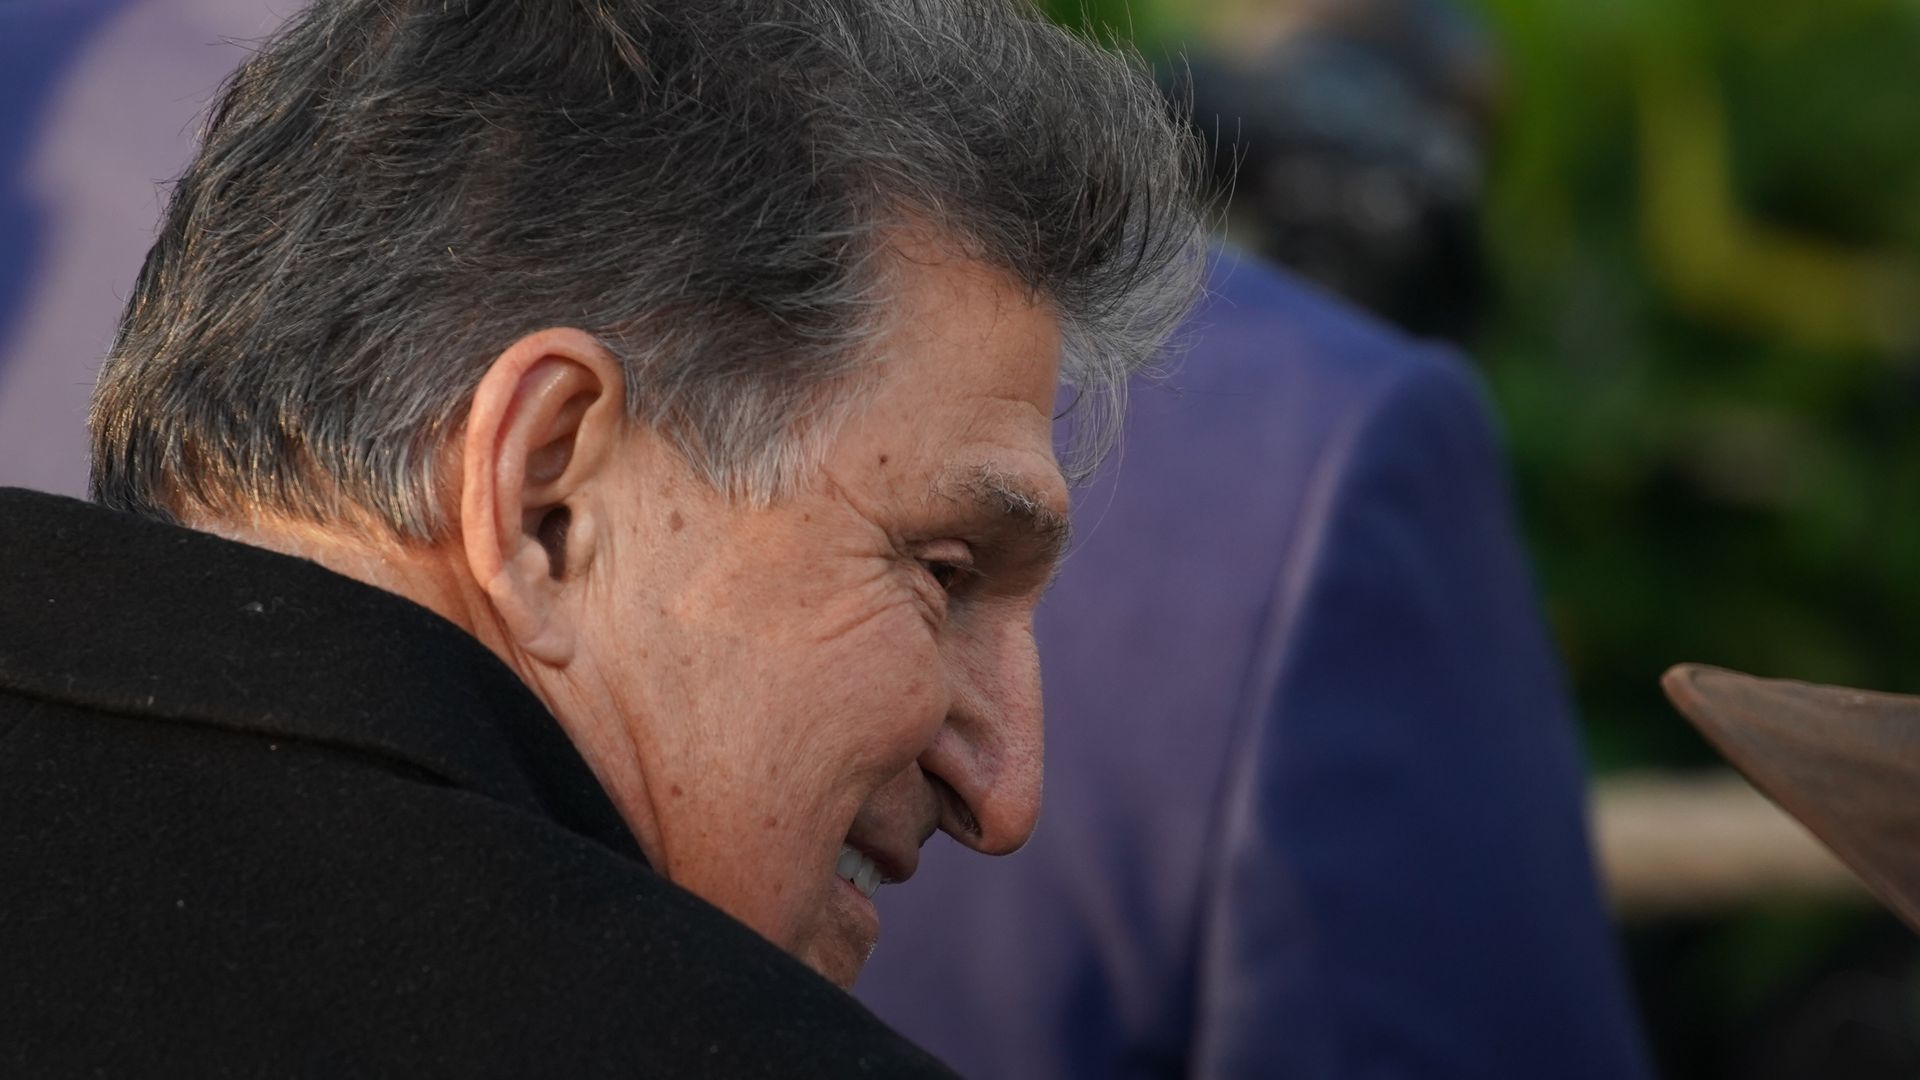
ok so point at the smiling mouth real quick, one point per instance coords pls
(857, 870)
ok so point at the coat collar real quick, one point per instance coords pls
(112, 612)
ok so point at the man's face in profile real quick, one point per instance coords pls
(813, 688)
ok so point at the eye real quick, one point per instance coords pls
(945, 574)
(949, 564)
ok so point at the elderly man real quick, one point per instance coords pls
(572, 473)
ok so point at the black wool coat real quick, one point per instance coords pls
(258, 819)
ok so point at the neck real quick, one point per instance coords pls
(420, 573)
(436, 577)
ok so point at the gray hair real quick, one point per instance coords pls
(392, 191)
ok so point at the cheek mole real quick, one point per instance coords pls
(675, 522)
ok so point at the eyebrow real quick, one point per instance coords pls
(1009, 497)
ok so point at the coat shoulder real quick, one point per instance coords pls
(224, 902)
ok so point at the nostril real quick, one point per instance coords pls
(955, 813)
(963, 816)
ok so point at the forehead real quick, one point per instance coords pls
(964, 384)
(968, 326)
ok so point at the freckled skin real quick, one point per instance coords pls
(824, 677)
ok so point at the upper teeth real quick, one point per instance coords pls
(859, 870)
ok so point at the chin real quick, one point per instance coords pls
(839, 966)
(839, 957)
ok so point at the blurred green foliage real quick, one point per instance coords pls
(1705, 218)
(1149, 25)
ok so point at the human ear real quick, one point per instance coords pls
(539, 434)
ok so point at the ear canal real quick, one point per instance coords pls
(552, 533)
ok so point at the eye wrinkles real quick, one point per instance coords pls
(1014, 516)
(989, 533)
(943, 571)
(950, 563)
(949, 576)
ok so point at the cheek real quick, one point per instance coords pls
(886, 677)
(787, 733)
(837, 684)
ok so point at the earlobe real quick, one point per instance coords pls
(539, 433)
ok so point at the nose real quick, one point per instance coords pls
(986, 759)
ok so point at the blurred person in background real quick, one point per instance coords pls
(1315, 800)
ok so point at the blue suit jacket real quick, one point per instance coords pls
(1314, 804)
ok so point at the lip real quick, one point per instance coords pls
(896, 862)
(895, 821)
(864, 900)
(859, 918)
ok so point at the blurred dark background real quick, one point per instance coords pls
(1682, 240)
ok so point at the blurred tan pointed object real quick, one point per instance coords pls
(1845, 762)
